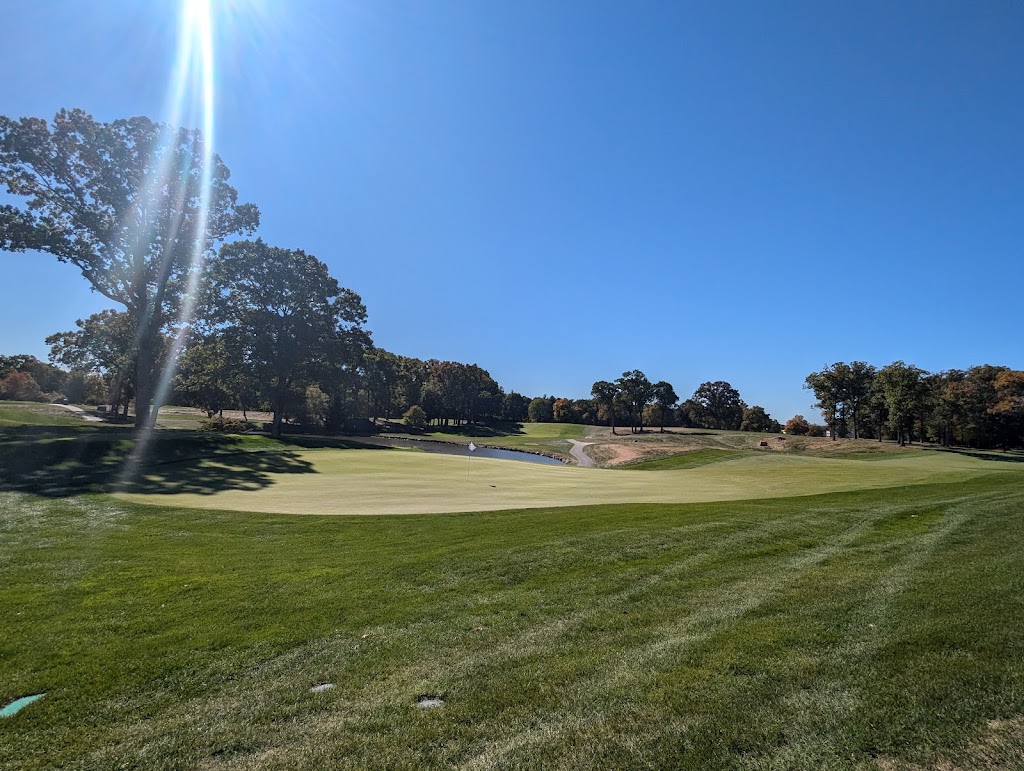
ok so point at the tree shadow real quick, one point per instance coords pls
(245, 470)
(477, 430)
(60, 461)
(1010, 456)
(316, 442)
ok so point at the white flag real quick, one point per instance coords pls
(472, 447)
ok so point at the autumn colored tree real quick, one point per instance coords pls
(1008, 408)
(797, 426)
(564, 411)
(20, 387)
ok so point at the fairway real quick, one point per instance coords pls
(875, 630)
(358, 482)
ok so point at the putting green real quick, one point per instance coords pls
(404, 482)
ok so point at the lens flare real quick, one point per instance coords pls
(193, 87)
(190, 102)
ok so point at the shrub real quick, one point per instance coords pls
(415, 417)
(225, 425)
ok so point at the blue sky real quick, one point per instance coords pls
(559, 191)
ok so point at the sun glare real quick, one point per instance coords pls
(190, 104)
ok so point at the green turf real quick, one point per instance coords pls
(873, 625)
(683, 460)
(836, 631)
(327, 481)
(539, 437)
(35, 414)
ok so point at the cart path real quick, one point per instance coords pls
(80, 413)
(577, 452)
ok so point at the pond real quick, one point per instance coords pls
(447, 448)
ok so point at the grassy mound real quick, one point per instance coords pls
(683, 460)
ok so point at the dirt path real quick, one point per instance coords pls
(578, 453)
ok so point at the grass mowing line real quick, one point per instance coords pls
(239, 708)
(862, 640)
(535, 639)
(426, 676)
(748, 596)
(718, 608)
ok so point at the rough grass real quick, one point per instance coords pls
(872, 629)
(629, 448)
(684, 460)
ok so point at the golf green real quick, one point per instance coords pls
(327, 481)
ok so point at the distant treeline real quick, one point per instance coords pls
(982, 406)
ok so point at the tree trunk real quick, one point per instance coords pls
(114, 395)
(143, 385)
(611, 417)
(275, 430)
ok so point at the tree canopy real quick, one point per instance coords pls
(292, 320)
(131, 203)
(718, 405)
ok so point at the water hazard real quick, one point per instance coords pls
(446, 448)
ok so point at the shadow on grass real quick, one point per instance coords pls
(1010, 456)
(60, 461)
(479, 430)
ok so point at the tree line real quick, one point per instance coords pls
(982, 406)
(213, 318)
(635, 400)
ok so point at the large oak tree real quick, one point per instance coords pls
(131, 204)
